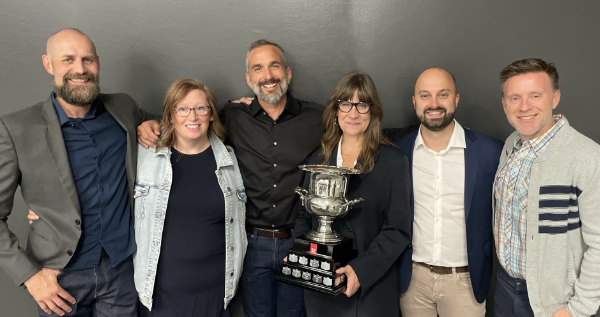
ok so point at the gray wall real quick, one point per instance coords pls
(145, 45)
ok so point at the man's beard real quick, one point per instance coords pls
(78, 95)
(274, 97)
(436, 124)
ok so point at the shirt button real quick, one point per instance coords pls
(272, 225)
(274, 122)
(274, 185)
(274, 206)
(274, 143)
(70, 253)
(275, 165)
(228, 188)
(231, 274)
(231, 220)
(77, 222)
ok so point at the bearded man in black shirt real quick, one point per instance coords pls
(271, 137)
(272, 134)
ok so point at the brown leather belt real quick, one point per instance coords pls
(273, 234)
(444, 269)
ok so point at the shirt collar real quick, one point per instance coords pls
(292, 105)
(457, 139)
(62, 115)
(537, 144)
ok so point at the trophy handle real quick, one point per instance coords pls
(351, 203)
(302, 192)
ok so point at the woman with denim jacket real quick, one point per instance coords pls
(189, 211)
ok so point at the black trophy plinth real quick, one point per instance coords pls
(312, 265)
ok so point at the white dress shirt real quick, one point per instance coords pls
(439, 227)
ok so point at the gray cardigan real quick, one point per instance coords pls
(563, 225)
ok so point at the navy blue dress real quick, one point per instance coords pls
(190, 278)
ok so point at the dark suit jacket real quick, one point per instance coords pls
(379, 227)
(481, 161)
(33, 156)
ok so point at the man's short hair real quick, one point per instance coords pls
(260, 43)
(529, 65)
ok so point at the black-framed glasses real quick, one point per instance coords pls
(185, 111)
(361, 107)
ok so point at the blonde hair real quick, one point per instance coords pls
(178, 90)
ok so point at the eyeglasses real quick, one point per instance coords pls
(185, 111)
(361, 107)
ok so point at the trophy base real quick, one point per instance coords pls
(312, 265)
(335, 291)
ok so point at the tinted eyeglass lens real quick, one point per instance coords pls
(363, 107)
(202, 110)
(345, 106)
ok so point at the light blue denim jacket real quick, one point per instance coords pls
(152, 186)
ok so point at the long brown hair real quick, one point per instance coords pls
(363, 85)
(178, 90)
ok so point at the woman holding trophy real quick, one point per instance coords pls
(380, 225)
(189, 211)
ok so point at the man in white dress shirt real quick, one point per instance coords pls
(452, 172)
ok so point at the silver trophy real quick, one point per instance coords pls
(326, 199)
(315, 257)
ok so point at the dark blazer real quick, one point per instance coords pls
(379, 227)
(33, 156)
(481, 161)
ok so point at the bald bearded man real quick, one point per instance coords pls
(74, 157)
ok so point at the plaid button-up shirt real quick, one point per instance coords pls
(512, 184)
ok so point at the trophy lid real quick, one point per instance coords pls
(329, 169)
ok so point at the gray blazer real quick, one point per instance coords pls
(33, 156)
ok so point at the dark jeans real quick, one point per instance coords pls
(262, 295)
(105, 291)
(511, 299)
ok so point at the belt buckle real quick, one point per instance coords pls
(440, 269)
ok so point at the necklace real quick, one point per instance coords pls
(353, 154)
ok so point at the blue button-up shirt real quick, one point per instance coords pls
(97, 145)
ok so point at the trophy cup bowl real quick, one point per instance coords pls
(315, 257)
(326, 199)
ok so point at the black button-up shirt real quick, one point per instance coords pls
(269, 152)
(97, 145)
